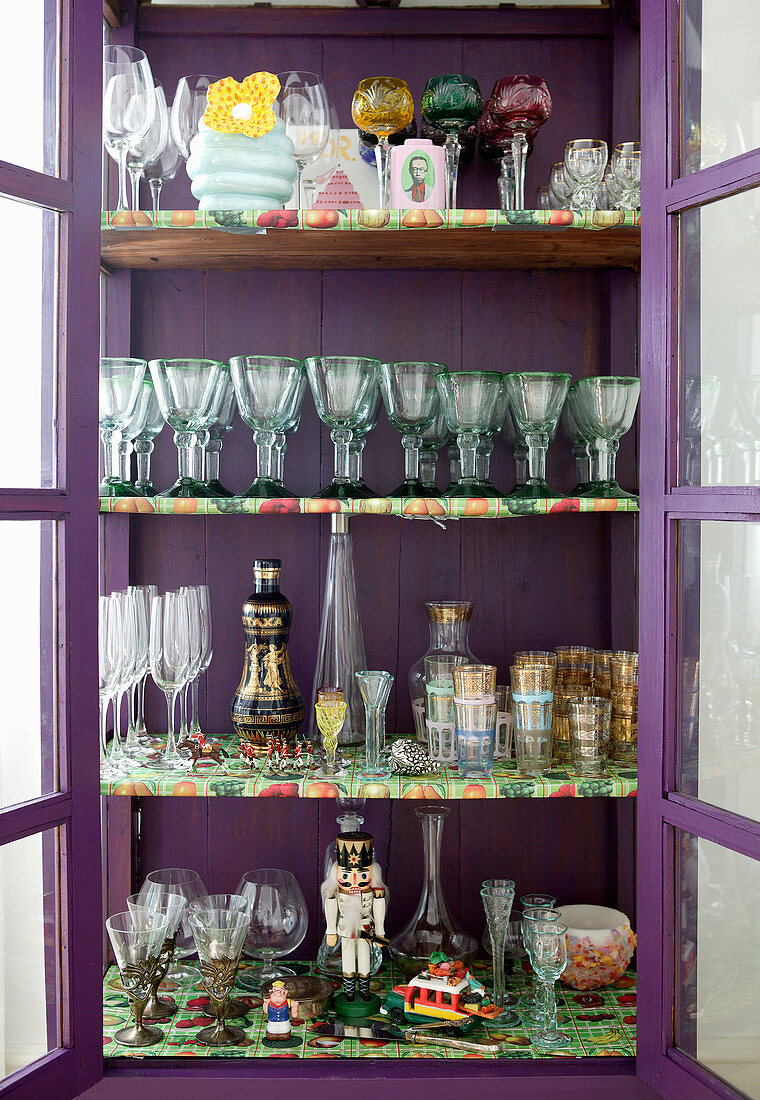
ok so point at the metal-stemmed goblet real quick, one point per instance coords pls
(585, 162)
(498, 896)
(433, 438)
(343, 387)
(451, 102)
(536, 399)
(118, 394)
(136, 939)
(469, 400)
(604, 409)
(175, 880)
(410, 396)
(226, 413)
(219, 935)
(279, 920)
(547, 948)
(171, 906)
(187, 394)
(383, 105)
(234, 1008)
(514, 439)
(582, 451)
(268, 390)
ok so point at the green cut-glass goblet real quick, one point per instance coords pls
(118, 393)
(187, 393)
(604, 409)
(452, 102)
(269, 393)
(470, 401)
(536, 399)
(344, 388)
(581, 448)
(411, 401)
(226, 413)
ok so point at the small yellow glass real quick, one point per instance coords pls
(330, 710)
(383, 105)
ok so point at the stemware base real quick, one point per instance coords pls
(158, 1008)
(233, 1010)
(413, 487)
(342, 489)
(187, 487)
(114, 487)
(466, 487)
(134, 1036)
(254, 977)
(145, 488)
(380, 772)
(550, 1042)
(507, 1020)
(170, 762)
(216, 488)
(609, 490)
(220, 1035)
(266, 488)
(533, 490)
(330, 771)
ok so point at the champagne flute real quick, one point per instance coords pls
(129, 106)
(383, 105)
(305, 111)
(169, 663)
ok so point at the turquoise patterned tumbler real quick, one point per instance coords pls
(475, 719)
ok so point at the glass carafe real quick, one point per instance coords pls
(431, 928)
(449, 622)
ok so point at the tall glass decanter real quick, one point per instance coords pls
(267, 702)
(431, 928)
(449, 622)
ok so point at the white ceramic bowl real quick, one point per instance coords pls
(600, 943)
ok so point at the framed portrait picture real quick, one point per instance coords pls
(417, 176)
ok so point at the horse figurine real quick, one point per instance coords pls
(202, 749)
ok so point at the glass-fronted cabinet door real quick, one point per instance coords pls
(699, 737)
(50, 923)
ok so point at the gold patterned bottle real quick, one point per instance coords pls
(267, 702)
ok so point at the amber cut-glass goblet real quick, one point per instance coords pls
(452, 102)
(536, 399)
(382, 105)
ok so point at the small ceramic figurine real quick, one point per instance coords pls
(354, 897)
(202, 749)
(277, 1008)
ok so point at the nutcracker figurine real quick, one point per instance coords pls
(354, 898)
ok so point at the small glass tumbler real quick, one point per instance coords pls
(561, 744)
(439, 705)
(532, 702)
(504, 723)
(475, 719)
(624, 688)
(575, 666)
(602, 682)
(589, 721)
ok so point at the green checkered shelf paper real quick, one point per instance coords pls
(601, 1023)
(410, 508)
(234, 777)
(322, 221)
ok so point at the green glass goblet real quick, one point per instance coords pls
(269, 393)
(581, 448)
(359, 442)
(452, 102)
(118, 392)
(433, 438)
(143, 444)
(226, 413)
(514, 439)
(187, 394)
(344, 389)
(410, 396)
(604, 409)
(486, 488)
(290, 426)
(536, 399)
(469, 400)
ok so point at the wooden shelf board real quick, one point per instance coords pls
(459, 249)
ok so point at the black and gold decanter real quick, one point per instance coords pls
(267, 702)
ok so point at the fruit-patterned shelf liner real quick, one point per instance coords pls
(601, 1023)
(233, 777)
(368, 220)
(408, 508)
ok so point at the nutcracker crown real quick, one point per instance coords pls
(355, 850)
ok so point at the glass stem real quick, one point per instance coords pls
(451, 152)
(213, 452)
(411, 445)
(183, 713)
(155, 193)
(550, 1009)
(194, 723)
(111, 438)
(341, 440)
(116, 750)
(278, 455)
(171, 743)
(521, 465)
(309, 192)
(506, 184)
(135, 175)
(143, 451)
(427, 467)
(603, 457)
(382, 158)
(519, 153)
(264, 443)
(125, 450)
(140, 717)
(538, 443)
(132, 727)
(498, 969)
(183, 442)
(374, 736)
(104, 701)
(580, 454)
(483, 458)
(468, 448)
(121, 203)
(297, 189)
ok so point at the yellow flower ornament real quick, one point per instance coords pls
(242, 108)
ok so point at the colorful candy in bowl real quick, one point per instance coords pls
(600, 943)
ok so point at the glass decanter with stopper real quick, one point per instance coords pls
(449, 622)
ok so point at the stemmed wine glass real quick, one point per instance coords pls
(517, 107)
(158, 885)
(193, 603)
(225, 413)
(233, 1008)
(187, 394)
(278, 923)
(306, 113)
(585, 161)
(433, 438)
(219, 935)
(604, 409)
(129, 105)
(269, 393)
(207, 652)
(514, 439)
(118, 392)
(131, 430)
(411, 401)
(383, 105)
(581, 448)
(547, 948)
(290, 426)
(143, 443)
(188, 107)
(142, 593)
(141, 612)
(170, 660)
(321, 170)
(536, 399)
(364, 426)
(129, 670)
(625, 165)
(560, 191)
(486, 488)
(344, 388)
(163, 168)
(110, 665)
(469, 400)
(151, 145)
(452, 102)
(498, 896)
(172, 907)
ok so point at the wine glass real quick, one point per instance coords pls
(585, 161)
(219, 935)
(364, 426)
(433, 438)
(154, 890)
(207, 652)
(226, 409)
(170, 660)
(486, 488)
(187, 394)
(127, 673)
(279, 919)
(140, 614)
(172, 907)
(188, 107)
(143, 443)
(110, 665)
(129, 105)
(536, 399)
(497, 896)
(452, 102)
(118, 392)
(411, 401)
(193, 604)
(581, 448)
(625, 165)
(131, 430)
(150, 147)
(518, 106)
(143, 593)
(469, 400)
(290, 426)
(306, 113)
(560, 191)
(547, 948)
(269, 392)
(535, 907)
(604, 410)
(321, 170)
(514, 439)
(163, 168)
(382, 105)
(343, 387)
(136, 939)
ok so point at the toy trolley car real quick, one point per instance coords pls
(451, 995)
